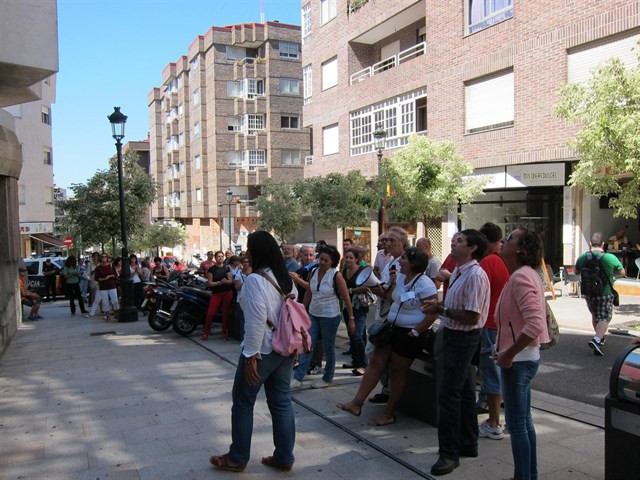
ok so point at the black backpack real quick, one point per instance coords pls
(592, 276)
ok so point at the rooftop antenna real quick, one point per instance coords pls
(261, 11)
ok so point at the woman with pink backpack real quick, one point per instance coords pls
(259, 364)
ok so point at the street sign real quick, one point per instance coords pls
(68, 241)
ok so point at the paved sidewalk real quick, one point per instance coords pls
(78, 403)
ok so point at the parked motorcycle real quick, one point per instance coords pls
(190, 309)
(159, 297)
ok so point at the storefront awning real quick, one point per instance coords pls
(48, 239)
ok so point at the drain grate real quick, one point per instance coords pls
(97, 334)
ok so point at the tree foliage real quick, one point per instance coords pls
(157, 235)
(425, 178)
(340, 200)
(608, 109)
(93, 212)
(280, 208)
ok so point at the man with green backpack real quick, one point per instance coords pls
(597, 271)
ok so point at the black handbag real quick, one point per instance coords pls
(381, 333)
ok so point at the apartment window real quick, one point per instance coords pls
(234, 53)
(288, 50)
(330, 143)
(46, 156)
(181, 139)
(234, 159)
(180, 81)
(234, 124)
(290, 86)
(48, 195)
(330, 73)
(22, 194)
(254, 159)
(400, 117)
(183, 197)
(198, 195)
(489, 103)
(234, 89)
(181, 169)
(422, 35)
(306, 23)
(46, 115)
(196, 130)
(584, 61)
(484, 13)
(290, 157)
(290, 121)
(307, 83)
(197, 163)
(252, 87)
(328, 10)
(195, 66)
(196, 96)
(251, 123)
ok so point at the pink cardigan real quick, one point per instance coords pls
(521, 309)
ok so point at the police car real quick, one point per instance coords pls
(34, 268)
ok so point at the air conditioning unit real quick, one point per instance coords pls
(308, 160)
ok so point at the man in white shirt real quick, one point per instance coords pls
(434, 265)
(463, 314)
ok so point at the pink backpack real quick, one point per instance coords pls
(292, 334)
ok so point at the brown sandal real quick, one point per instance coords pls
(270, 462)
(222, 463)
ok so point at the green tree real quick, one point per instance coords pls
(608, 109)
(280, 207)
(93, 212)
(339, 200)
(159, 235)
(425, 178)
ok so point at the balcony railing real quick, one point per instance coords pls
(388, 63)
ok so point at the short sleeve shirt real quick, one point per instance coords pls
(433, 267)
(218, 274)
(406, 309)
(609, 262)
(468, 287)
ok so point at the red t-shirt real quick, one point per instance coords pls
(102, 271)
(448, 264)
(498, 274)
(206, 265)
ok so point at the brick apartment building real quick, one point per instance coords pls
(483, 74)
(228, 116)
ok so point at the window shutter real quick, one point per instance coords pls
(583, 63)
(489, 102)
(330, 142)
(330, 73)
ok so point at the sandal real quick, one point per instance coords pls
(357, 372)
(347, 365)
(270, 462)
(344, 406)
(382, 421)
(222, 463)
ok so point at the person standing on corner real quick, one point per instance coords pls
(220, 282)
(259, 365)
(49, 271)
(464, 313)
(600, 305)
(71, 274)
(490, 390)
(521, 316)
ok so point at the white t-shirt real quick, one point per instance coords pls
(383, 304)
(409, 295)
(260, 302)
(239, 277)
(433, 267)
(324, 302)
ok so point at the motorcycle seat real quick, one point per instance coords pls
(206, 294)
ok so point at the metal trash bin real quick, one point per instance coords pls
(622, 417)
(420, 399)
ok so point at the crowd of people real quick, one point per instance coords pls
(493, 304)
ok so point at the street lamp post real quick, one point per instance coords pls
(220, 222)
(128, 311)
(379, 135)
(229, 195)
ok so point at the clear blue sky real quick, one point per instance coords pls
(112, 53)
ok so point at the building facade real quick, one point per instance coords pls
(28, 56)
(485, 75)
(228, 116)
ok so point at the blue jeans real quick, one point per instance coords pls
(240, 319)
(489, 371)
(328, 327)
(275, 374)
(458, 421)
(516, 392)
(357, 338)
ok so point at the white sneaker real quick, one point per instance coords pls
(321, 384)
(487, 431)
(297, 384)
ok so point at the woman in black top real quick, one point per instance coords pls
(221, 284)
(360, 310)
(159, 270)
